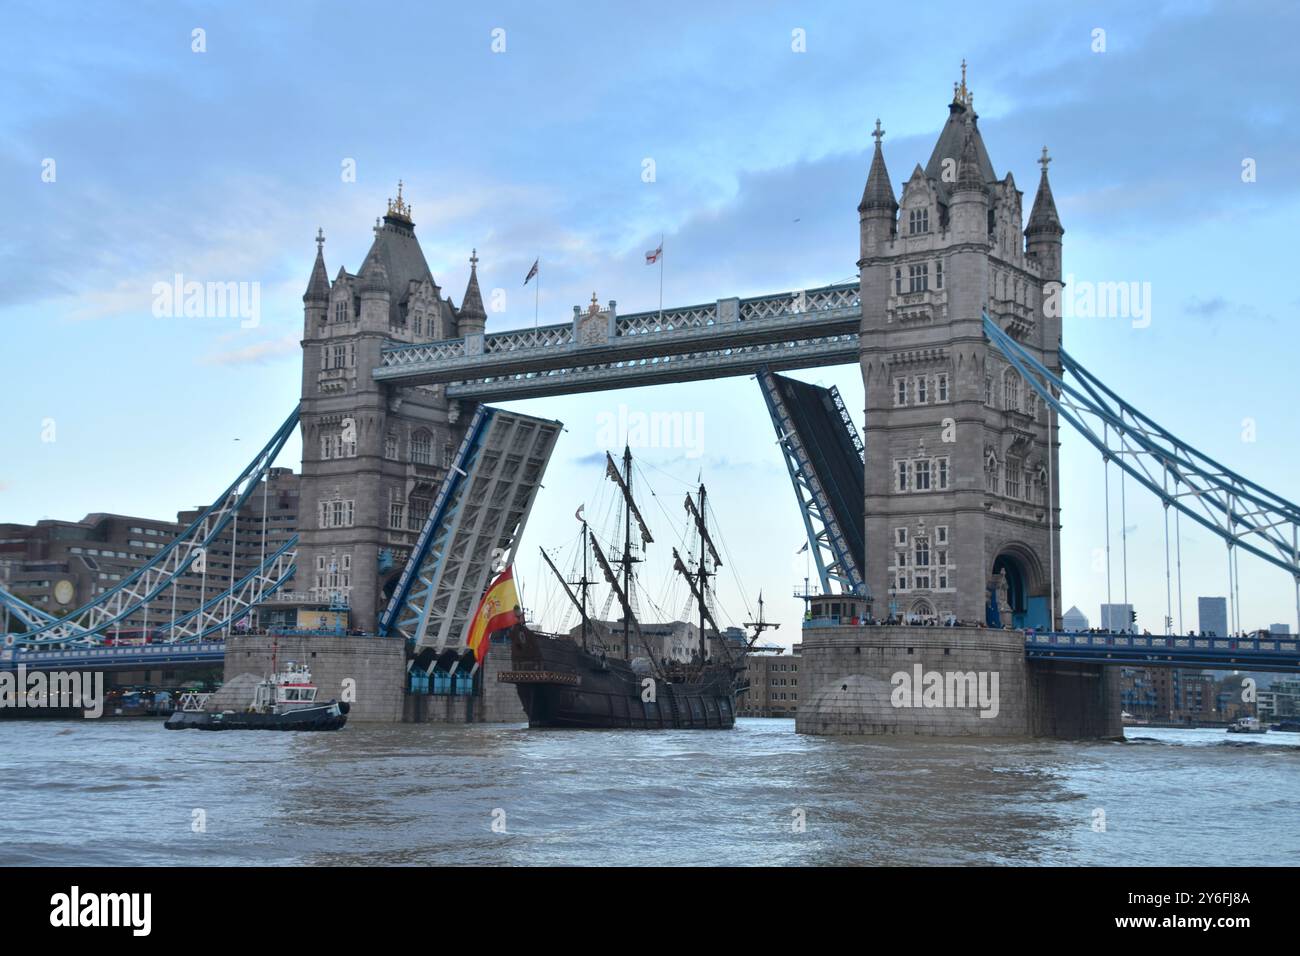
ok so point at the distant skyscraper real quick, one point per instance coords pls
(1213, 614)
(1117, 617)
(1074, 620)
(1279, 629)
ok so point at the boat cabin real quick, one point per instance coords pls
(837, 610)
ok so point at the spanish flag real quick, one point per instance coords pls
(498, 610)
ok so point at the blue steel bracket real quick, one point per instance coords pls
(1244, 514)
(830, 552)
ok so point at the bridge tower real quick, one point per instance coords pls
(962, 501)
(373, 455)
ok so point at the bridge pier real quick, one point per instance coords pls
(947, 682)
(377, 668)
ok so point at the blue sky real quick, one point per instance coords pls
(221, 165)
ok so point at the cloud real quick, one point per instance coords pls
(1207, 307)
(258, 353)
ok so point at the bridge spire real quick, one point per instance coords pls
(473, 317)
(1043, 219)
(318, 288)
(878, 194)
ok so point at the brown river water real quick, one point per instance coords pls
(127, 792)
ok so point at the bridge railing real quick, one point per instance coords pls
(736, 313)
(1165, 643)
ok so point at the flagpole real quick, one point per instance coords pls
(661, 278)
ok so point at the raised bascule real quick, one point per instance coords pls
(945, 512)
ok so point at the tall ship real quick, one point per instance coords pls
(584, 683)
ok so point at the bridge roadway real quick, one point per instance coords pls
(603, 350)
(119, 657)
(1279, 653)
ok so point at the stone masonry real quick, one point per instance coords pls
(848, 679)
(961, 472)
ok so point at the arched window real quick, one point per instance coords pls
(1011, 390)
(422, 448)
(341, 310)
(390, 446)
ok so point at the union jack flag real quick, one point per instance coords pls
(532, 272)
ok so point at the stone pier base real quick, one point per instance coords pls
(377, 668)
(945, 682)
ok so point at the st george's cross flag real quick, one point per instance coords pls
(652, 257)
(498, 610)
(532, 272)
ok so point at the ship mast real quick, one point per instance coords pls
(699, 580)
(760, 625)
(630, 511)
(580, 605)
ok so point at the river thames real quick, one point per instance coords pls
(126, 793)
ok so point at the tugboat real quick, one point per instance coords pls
(564, 683)
(286, 701)
(1247, 725)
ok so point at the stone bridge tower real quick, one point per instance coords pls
(373, 455)
(962, 499)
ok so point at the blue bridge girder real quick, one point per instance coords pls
(114, 657)
(1244, 514)
(825, 460)
(1274, 653)
(804, 329)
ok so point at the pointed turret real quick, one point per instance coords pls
(969, 175)
(968, 206)
(878, 210)
(318, 288)
(1043, 233)
(473, 317)
(878, 194)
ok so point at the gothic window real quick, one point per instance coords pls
(918, 277)
(341, 310)
(1013, 478)
(336, 514)
(898, 281)
(396, 515)
(900, 391)
(340, 356)
(900, 535)
(938, 274)
(991, 474)
(941, 535)
(419, 323)
(922, 553)
(918, 221)
(390, 446)
(921, 473)
(922, 390)
(941, 473)
(446, 454)
(422, 448)
(420, 508)
(900, 483)
(941, 386)
(1011, 390)
(988, 390)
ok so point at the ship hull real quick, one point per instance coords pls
(561, 685)
(331, 716)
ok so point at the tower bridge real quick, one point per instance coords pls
(947, 509)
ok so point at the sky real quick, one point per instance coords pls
(133, 149)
